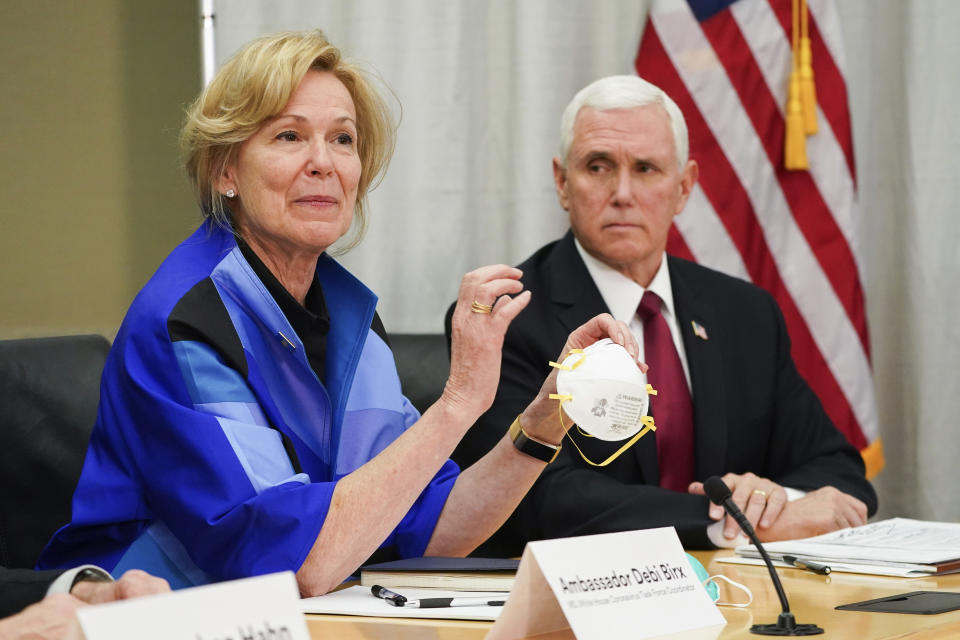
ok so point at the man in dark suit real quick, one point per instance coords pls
(737, 406)
(49, 599)
(22, 587)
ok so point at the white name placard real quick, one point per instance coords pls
(633, 584)
(261, 608)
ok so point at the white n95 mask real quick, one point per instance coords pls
(603, 391)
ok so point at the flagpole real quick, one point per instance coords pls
(207, 40)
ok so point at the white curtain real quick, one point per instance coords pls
(482, 85)
(901, 69)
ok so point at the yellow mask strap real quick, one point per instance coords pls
(648, 425)
(570, 367)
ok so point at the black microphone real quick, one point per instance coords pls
(786, 625)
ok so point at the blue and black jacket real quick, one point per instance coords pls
(217, 448)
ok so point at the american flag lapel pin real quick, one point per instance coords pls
(699, 330)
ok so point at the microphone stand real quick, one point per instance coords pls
(786, 624)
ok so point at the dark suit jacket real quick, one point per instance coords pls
(22, 587)
(752, 410)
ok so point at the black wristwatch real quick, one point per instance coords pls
(531, 447)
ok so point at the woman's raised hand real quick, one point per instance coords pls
(490, 298)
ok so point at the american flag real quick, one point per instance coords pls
(726, 63)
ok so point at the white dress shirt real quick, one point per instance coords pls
(622, 296)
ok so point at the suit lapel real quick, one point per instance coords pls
(706, 374)
(572, 289)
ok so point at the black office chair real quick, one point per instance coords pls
(423, 366)
(49, 390)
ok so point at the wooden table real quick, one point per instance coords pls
(812, 599)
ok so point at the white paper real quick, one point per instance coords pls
(358, 601)
(252, 607)
(909, 543)
(835, 567)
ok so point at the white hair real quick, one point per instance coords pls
(623, 92)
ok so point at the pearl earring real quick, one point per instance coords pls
(230, 193)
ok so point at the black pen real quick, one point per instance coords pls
(436, 603)
(809, 565)
(383, 593)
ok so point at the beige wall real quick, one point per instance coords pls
(91, 194)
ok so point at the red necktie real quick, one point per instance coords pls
(672, 408)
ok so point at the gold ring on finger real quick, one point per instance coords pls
(760, 492)
(478, 307)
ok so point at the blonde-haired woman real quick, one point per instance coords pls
(251, 418)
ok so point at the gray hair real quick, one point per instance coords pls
(623, 92)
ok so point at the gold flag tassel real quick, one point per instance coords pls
(795, 144)
(808, 91)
